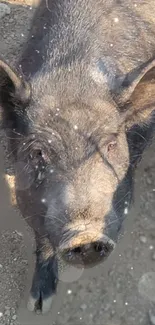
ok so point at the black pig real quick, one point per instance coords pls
(76, 108)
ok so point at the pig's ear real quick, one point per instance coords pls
(136, 99)
(12, 88)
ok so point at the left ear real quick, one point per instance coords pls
(136, 99)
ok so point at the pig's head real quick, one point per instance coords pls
(72, 157)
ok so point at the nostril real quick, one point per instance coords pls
(77, 250)
(98, 247)
(103, 248)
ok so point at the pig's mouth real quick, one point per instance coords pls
(87, 253)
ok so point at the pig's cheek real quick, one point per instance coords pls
(25, 175)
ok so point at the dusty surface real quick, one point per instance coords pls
(117, 293)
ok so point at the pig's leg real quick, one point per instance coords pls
(45, 277)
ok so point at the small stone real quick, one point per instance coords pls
(149, 181)
(19, 233)
(4, 10)
(112, 313)
(118, 285)
(146, 286)
(7, 313)
(152, 317)
(14, 317)
(1, 266)
(84, 307)
(1, 314)
(143, 239)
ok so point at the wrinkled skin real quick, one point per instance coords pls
(78, 120)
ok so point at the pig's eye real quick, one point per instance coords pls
(112, 146)
(38, 155)
(38, 161)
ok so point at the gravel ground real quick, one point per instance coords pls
(120, 292)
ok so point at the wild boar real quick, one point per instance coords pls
(76, 107)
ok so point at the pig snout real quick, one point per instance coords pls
(86, 249)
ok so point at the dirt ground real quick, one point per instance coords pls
(120, 292)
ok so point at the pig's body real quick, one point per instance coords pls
(85, 60)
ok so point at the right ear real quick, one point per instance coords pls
(14, 91)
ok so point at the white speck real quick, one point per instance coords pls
(53, 133)
(58, 109)
(37, 51)
(1, 314)
(22, 35)
(116, 20)
(120, 255)
(151, 247)
(80, 318)
(15, 259)
(36, 167)
(126, 303)
(49, 141)
(24, 143)
(153, 190)
(132, 232)
(114, 300)
(56, 114)
(135, 4)
(30, 8)
(43, 200)
(126, 211)
(51, 171)
(75, 127)
(32, 36)
(111, 44)
(76, 148)
(1, 266)
(45, 27)
(69, 292)
(20, 65)
(131, 267)
(58, 312)
(126, 202)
